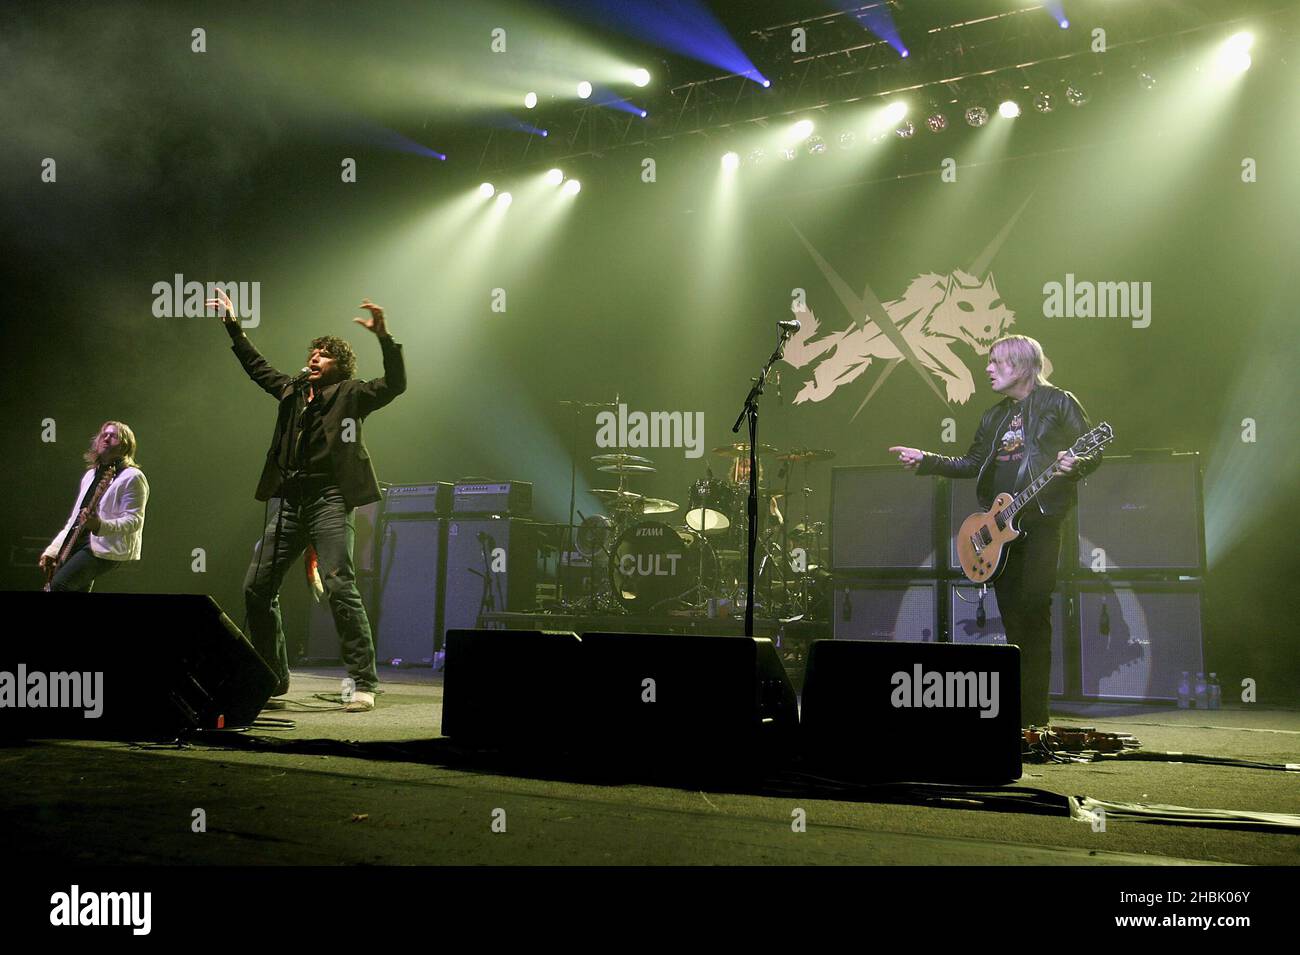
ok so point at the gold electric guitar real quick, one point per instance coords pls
(982, 540)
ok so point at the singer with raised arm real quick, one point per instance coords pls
(317, 472)
(1017, 439)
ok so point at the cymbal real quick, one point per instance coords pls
(620, 459)
(806, 454)
(657, 505)
(616, 498)
(627, 469)
(741, 450)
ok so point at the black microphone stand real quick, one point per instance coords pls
(750, 411)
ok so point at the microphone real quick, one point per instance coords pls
(301, 377)
(789, 326)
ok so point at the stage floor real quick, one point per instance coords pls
(381, 788)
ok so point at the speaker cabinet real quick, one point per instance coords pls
(882, 518)
(153, 666)
(491, 566)
(964, 613)
(886, 610)
(1136, 639)
(937, 712)
(1144, 513)
(412, 551)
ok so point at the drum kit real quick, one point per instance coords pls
(641, 563)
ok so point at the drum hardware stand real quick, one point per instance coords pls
(750, 411)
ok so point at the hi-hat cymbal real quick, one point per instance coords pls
(616, 498)
(620, 459)
(806, 454)
(742, 450)
(658, 505)
(627, 469)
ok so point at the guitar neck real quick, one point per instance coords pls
(1030, 491)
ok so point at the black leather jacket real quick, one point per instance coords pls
(1054, 420)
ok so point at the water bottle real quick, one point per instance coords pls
(1216, 691)
(1202, 696)
(1184, 691)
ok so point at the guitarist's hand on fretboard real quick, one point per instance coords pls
(92, 522)
(1065, 462)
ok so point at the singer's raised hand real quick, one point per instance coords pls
(376, 321)
(224, 307)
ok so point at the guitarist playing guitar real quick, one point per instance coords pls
(104, 528)
(1016, 441)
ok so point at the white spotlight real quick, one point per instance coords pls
(895, 112)
(1234, 54)
(1009, 109)
(486, 190)
(584, 89)
(505, 198)
(530, 100)
(730, 161)
(641, 77)
(554, 177)
(571, 187)
(801, 130)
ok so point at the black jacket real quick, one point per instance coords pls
(340, 401)
(1054, 420)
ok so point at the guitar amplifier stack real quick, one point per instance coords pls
(431, 557)
(1126, 614)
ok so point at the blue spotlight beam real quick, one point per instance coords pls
(686, 27)
(875, 17)
(390, 139)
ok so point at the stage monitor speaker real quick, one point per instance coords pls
(1136, 639)
(407, 598)
(923, 712)
(966, 628)
(886, 610)
(882, 518)
(491, 565)
(509, 688)
(1144, 513)
(680, 700)
(152, 666)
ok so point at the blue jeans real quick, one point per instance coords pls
(321, 518)
(79, 573)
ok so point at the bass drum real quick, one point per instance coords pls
(657, 568)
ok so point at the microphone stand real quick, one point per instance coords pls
(750, 412)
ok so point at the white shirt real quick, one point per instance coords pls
(121, 516)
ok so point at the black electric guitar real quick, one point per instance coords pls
(78, 527)
(982, 540)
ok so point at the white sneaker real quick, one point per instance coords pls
(361, 702)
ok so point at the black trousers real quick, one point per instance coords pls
(1024, 590)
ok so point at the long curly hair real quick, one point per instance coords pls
(338, 349)
(127, 446)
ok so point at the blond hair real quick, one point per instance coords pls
(1023, 353)
(128, 445)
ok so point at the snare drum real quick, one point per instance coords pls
(656, 567)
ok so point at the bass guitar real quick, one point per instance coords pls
(73, 540)
(983, 538)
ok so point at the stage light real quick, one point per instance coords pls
(641, 77)
(545, 134)
(905, 131)
(530, 100)
(788, 153)
(1234, 54)
(894, 113)
(1008, 109)
(1077, 96)
(905, 54)
(487, 190)
(584, 90)
(977, 116)
(1065, 24)
(766, 84)
(1043, 101)
(937, 122)
(643, 114)
(571, 187)
(756, 155)
(505, 199)
(816, 146)
(730, 161)
(1147, 81)
(554, 177)
(800, 131)
(847, 139)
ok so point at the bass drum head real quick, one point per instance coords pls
(656, 567)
